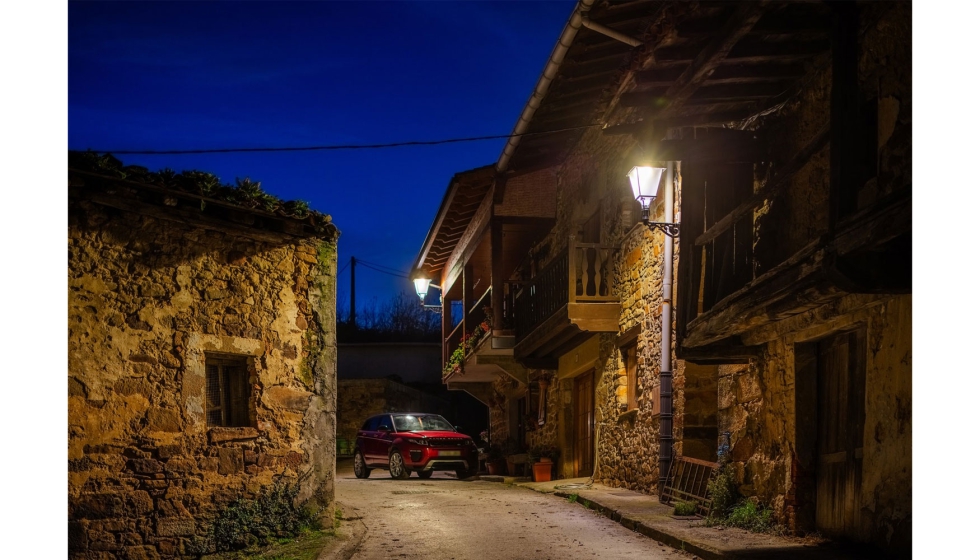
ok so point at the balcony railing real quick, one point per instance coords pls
(582, 273)
(478, 315)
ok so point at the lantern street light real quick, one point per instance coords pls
(422, 286)
(645, 182)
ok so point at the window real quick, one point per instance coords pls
(227, 391)
(632, 383)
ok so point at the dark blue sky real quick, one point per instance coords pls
(183, 75)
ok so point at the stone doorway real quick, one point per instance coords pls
(830, 388)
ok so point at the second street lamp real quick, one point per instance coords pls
(645, 182)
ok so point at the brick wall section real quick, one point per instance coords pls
(147, 299)
(532, 194)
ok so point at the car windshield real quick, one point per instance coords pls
(421, 422)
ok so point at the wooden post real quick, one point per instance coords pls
(572, 269)
(497, 275)
(447, 321)
(467, 296)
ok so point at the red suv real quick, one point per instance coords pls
(410, 442)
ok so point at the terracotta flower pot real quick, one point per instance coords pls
(542, 470)
(497, 466)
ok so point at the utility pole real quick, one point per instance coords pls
(352, 318)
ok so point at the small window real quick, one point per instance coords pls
(370, 424)
(632, 383)
(227, 391)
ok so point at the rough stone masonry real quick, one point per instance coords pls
(155, 300)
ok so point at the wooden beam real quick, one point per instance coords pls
(779, 178)
(744, 308)
(737, 26)
(728, 351)
(732, 146)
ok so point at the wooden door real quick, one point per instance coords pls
(584, 423)
(840, 433)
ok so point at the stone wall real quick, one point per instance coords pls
(359, 399)
(149, 301)
(593, 178)
(759, 407)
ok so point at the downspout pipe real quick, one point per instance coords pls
(544, 81)
(666, 356)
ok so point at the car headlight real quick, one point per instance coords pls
(417, 441)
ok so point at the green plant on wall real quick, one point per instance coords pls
(261, 520)
(468, 343)
(245, 192)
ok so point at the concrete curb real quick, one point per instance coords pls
(646, 530)
(350, 535)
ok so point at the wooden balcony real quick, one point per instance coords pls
(566, 303)
(720, 303)
(491, 355)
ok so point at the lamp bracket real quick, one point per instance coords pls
(671, 230)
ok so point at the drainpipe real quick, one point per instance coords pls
(666, 369)
(544, 81)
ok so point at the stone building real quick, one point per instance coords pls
(202, 355)
(785, 132)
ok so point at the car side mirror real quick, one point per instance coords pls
(457, 429)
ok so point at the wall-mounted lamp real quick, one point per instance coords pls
(645, 182)
(422, 286)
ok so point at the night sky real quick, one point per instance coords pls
(187, 75)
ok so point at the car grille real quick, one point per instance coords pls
(447, 442)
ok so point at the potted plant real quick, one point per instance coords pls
(544, 458)
(495, 460)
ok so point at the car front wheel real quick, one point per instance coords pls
(396, 466)
(360, 467)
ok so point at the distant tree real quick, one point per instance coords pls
(401, 319)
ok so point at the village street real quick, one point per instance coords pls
(443, 518)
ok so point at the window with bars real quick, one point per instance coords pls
(227, 391)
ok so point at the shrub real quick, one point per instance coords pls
(747, 515)
(685, 508)
(724, 492)
(272, 515)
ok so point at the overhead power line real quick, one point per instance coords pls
(345, 146)
(388, 268)
(382, 271)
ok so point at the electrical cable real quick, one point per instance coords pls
(383, 271)
(388, 268)
(343, 268)
(345, 146)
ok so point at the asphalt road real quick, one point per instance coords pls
(445, 518)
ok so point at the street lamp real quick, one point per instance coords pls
(645, 182)
(422, 286)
